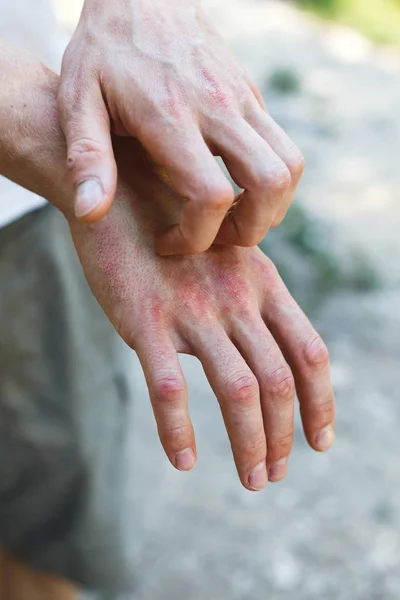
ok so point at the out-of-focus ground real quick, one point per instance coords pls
(332, 529)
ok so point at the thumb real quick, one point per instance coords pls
(90, 156)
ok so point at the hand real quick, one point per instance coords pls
(228, 307)
(158, 71)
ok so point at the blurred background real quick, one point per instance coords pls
(330, 74)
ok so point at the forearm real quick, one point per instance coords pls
(32, 146)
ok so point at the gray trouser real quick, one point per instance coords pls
(63, 409)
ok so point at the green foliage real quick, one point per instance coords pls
(285, 82)
(378, 19)
(327, 7)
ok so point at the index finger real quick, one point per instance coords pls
(190, 170)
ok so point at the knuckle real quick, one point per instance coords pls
(277, 181)
(81, 149)
(243, 389)
(321, 414)
(253, 447)
(169, 389)
(316, 353)
(296, 164)
(245, 306)
(177, 436)
(279, 219)
(281, 383)
(218, 196)
(326, 409)
(285, 442)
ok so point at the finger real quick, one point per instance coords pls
(169, 398)
(192, 171)
(238, 393)
(90, 156)
(276, 382)
(256, 168)
(308, 358)
(257, 93)
(283, 146)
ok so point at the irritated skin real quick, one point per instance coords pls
(227, 306)
(158, 71)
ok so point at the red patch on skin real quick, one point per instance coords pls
(173, 100)
(151, 321)
(239, 290)
(264, 270)
(214, 89)
(120, 28)
(109, 258)
(232, 283)
(157, 310)
(194, 298)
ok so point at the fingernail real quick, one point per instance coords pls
(258, 478)
(185, 460)
(89, 195)
(277, 470)
(325, 438)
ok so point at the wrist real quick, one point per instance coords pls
(32, 146)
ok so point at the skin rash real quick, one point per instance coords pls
(227, 306)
